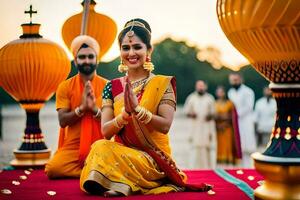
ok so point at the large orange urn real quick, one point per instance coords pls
(96, 25)
(30, 70)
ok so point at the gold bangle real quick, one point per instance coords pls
(138, 109)
(119, 121)
(148, 118)
(143, 114)
(78, 112)
(115, 123)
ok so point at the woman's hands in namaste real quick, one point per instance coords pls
(130, 99)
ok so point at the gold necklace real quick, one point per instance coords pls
(137, 83)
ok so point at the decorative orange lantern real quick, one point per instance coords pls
(98, 26)
(267, 33)
(30, 70)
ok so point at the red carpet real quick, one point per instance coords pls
(37, 185)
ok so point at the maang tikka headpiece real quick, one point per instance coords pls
(133, 23)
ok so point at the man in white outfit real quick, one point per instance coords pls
(200, 107)
(243, 99)
(265, 111)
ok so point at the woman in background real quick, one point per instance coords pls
(228, 138)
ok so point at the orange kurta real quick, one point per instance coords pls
(65, 162)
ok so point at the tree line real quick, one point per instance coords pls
(180, 60)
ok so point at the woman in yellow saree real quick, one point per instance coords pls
(137, 112)
(228, 137)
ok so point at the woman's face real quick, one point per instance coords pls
(133, 52)
(220, 93)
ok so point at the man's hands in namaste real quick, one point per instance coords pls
(88, 98)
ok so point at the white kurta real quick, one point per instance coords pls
(203, 132)
(265, 112)
(243, 100)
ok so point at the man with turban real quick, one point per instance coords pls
(78, 102)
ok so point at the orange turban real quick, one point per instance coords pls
(84, 39)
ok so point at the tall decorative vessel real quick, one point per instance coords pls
(267, 33)
(89, 22)
(30, 70)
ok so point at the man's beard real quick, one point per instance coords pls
(86, 70)
(200, 92)
(236, 86)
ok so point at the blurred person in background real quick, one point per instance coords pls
(228, 136)
(200, 107)
(265, 111)
(243, 99)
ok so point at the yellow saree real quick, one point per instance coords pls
(228, 139)
(138, 160)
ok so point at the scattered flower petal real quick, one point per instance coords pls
(23, 177)
(6, 191)
(251, 178)
(211, 192)
(16, 182)
(51, 193)
(27, 172)
(239, 171)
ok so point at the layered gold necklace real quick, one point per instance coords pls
(139, 85)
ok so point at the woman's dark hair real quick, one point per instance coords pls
(143, 33)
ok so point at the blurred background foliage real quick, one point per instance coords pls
(186, 63)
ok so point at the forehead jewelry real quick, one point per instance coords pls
(130, 33)
(131, 24)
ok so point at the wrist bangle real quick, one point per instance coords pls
(143, 115)
(78, 112)
(98, 114)
(119, 121)
(116, 124)
(148, 118)
(138, 109)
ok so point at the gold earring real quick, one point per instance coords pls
(122, 68)
(148, 65)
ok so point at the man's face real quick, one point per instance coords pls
(235, 80)
(201, 87)
(86, 61)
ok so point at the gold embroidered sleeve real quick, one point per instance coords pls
(169, 97)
